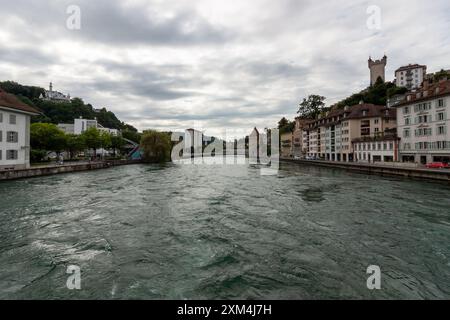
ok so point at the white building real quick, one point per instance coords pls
(377, 149)
(56, 96)
(410, 76)
(423, 124)
(14, 132)
(81, 125)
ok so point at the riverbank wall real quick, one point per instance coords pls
(385, 170)
(59, 169)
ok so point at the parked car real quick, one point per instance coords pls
(297, 158)
(437, 165)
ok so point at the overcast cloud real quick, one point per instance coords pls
(211, 64)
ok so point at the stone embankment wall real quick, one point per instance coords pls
(58, 169)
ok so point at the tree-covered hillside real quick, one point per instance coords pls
(63, 112)
(376, 94)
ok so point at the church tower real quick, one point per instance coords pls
(377, 69)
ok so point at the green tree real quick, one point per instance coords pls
(285, 125)
(117, 143)
(92, 139)
(48, 137)
(376, 94)
(75, 144)
(311, 107)
(131, 135)
(106, 139)
(156, 146)
(441, 75)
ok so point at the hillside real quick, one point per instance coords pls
(63, 112)
(377, 94)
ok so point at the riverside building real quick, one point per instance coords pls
(14, 132)
(339, 134)
(423, 122)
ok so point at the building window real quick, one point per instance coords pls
(12, 119)
(441, 103)
(1, 117)
(1, 136)
(406, 110)
(422, 119)
(406, 133)
(440, 116)
(407, 121)
(441, 130)
(391, 146)
(422, 107)
(12, 155)
(376, 121)
(12, 137)
(423, 132)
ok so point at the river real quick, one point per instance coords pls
(223, 232)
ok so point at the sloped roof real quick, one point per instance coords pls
(336, 115)
(10, 101)
(427, 92)
(410, 66)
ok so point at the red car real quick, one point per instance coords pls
(437, 165)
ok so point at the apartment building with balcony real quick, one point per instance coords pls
(423, 124)
(410, 76)
(334, 136)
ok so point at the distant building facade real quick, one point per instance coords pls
(297, 138)
(14, 132)
(286, 147)
(51, 95)
(377, 70)
(423, 124)
(410, 76)
(336, 135)
(81, 125)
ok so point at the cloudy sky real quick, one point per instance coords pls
(212, 64)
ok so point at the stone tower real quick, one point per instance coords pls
(377, 69)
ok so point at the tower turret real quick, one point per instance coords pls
(377, 69)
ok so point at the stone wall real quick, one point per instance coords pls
(54, 169)
(437, 175)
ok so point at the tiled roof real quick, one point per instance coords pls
(359, 111)
(10, 101)
(427, 92)
(372, 110)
